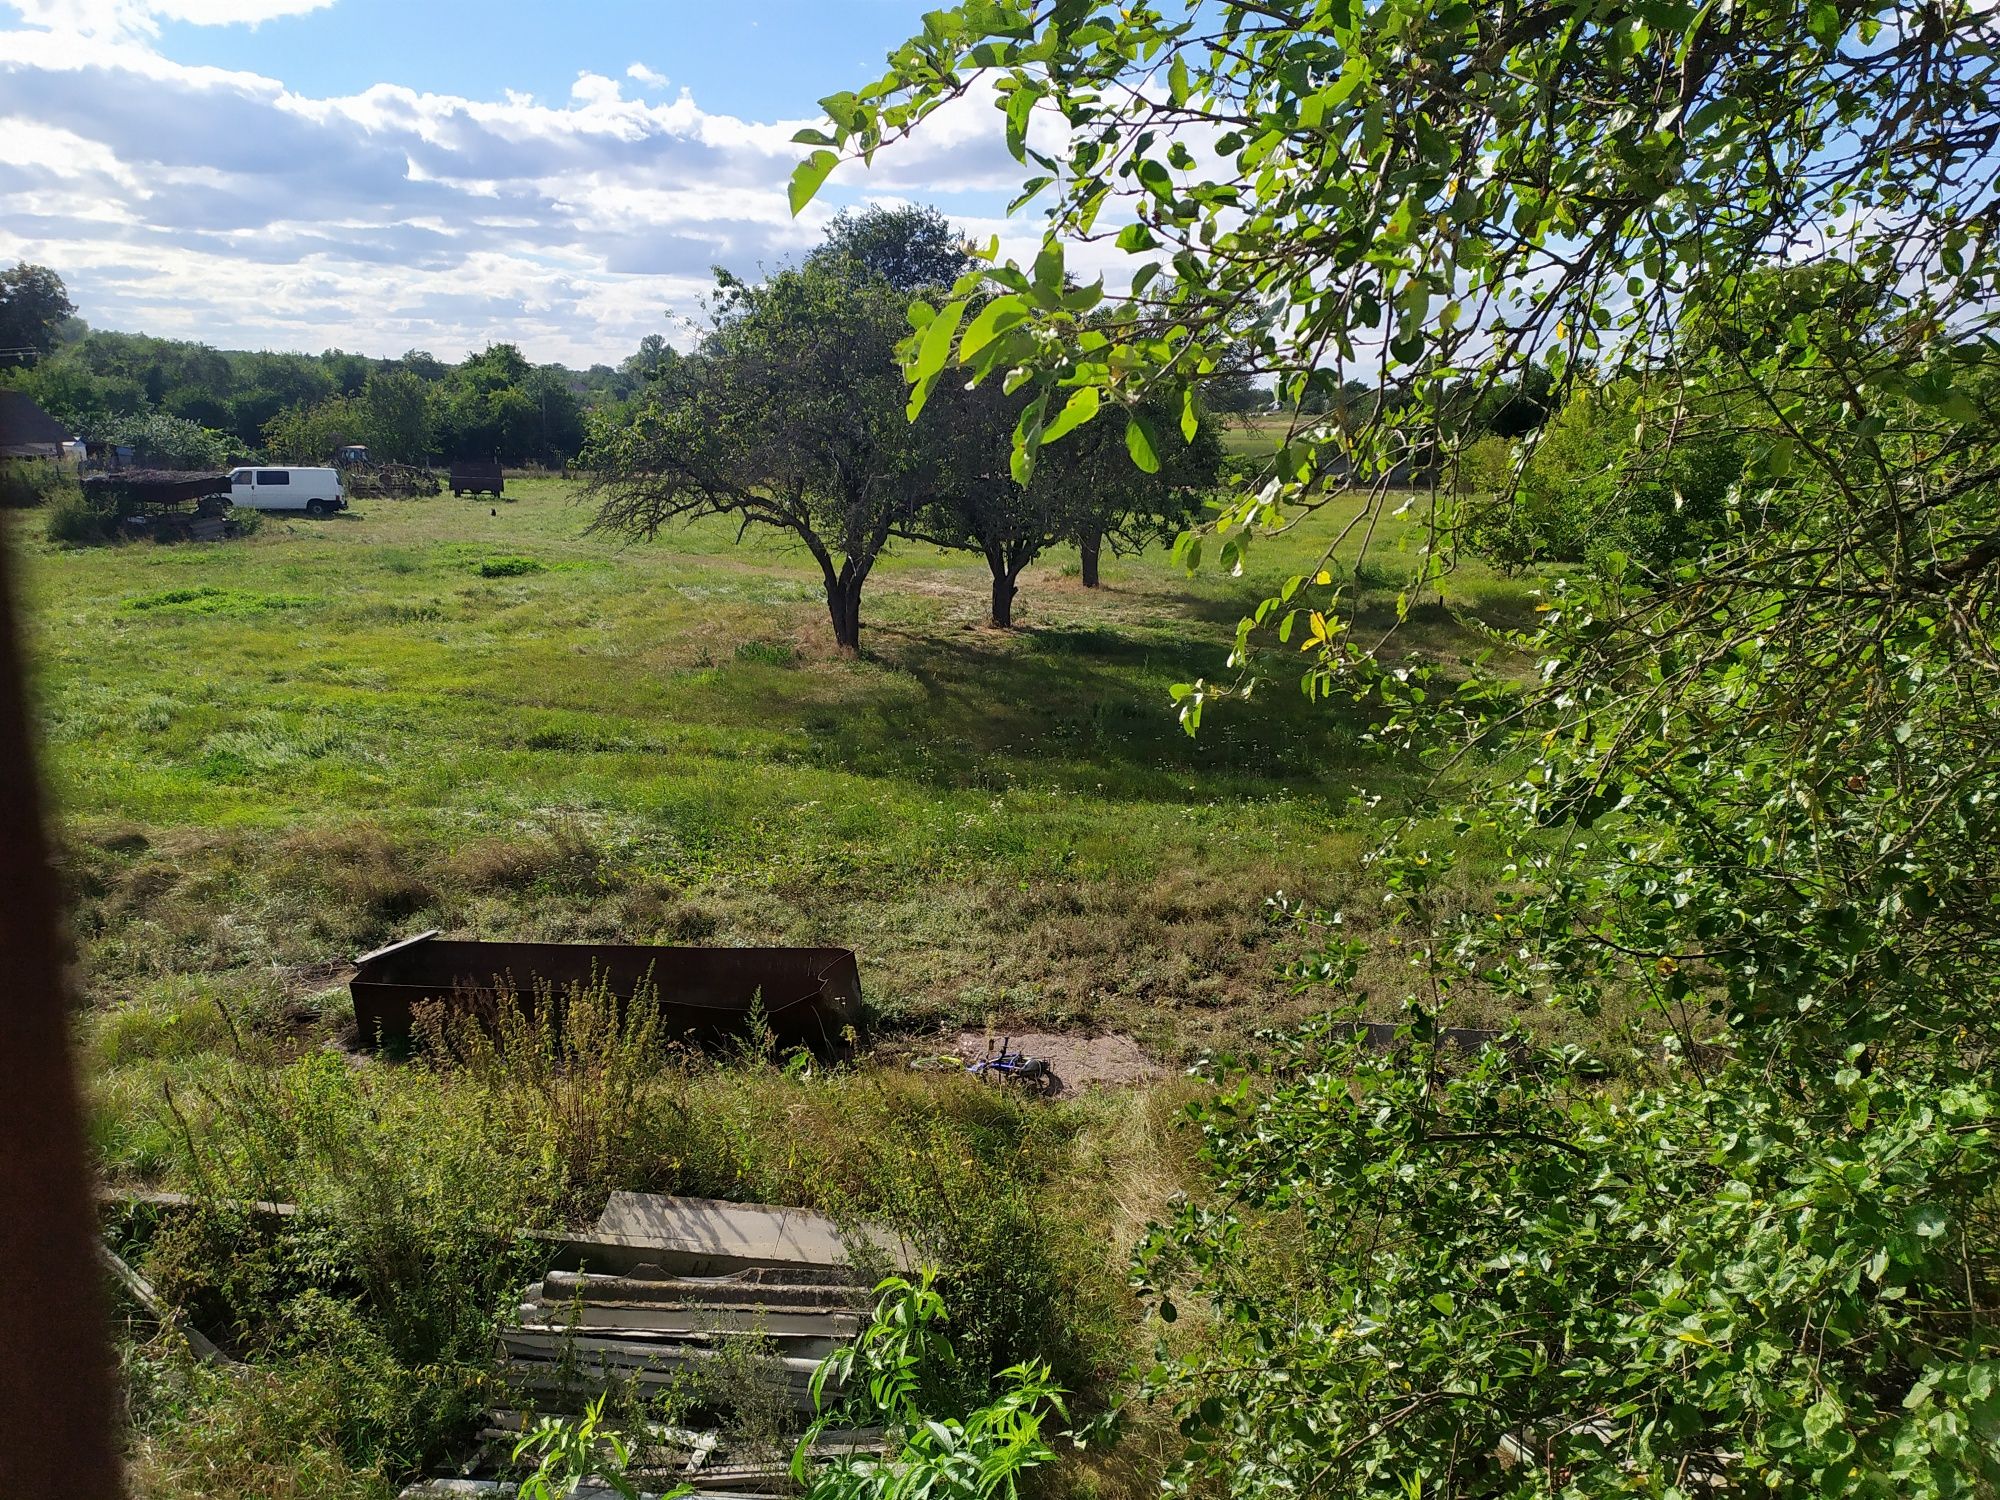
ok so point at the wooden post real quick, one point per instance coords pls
(56, 1411)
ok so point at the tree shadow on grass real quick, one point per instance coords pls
(1081, 710)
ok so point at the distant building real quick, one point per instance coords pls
(26, 431)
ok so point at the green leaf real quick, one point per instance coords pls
(1049, 266)
(1027, 439)
(1190, 418)
(807, 177)
(1080, 408)
(933, 353)
(1142, 442)
(1020, 108)
(995, 318)
(1028, 190)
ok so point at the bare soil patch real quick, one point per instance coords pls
(1078, 1062)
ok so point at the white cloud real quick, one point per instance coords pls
(650, 77)
(594, 88)
(104, 18)
(225, 206)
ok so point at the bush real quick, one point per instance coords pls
(76, 520)
(1485, 466)
(580, 1079)
(26, 482)
(1591, 488)
(1690, 1280)
(159, 440)
(888, 1370)
(369, 1314)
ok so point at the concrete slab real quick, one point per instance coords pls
(740, 1234)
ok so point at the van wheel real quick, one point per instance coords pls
(315, 507)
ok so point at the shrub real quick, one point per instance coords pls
(76, 520)
(27, 482)
(889, 1370)
(161, 440)
(370, 1312)
(1592, 488)
(1485, 466)
(581, 1079)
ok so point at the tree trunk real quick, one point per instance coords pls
(1003, 601)
(843, 606)
(1089, 544)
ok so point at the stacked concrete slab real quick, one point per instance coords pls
(662, 1286)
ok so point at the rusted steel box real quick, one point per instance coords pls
(809, 996)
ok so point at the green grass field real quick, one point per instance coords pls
(273, 753)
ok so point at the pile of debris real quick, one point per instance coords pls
(164, 504)
(368, 480)
(652, 1298)
(661, 1285)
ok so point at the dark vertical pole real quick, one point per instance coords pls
(56, 1423)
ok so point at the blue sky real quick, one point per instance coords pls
(761, 59)
(382, 175)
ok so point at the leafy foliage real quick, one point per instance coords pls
(792, 418)
(34, 304)
(1503, 1281)
(1749, 788)
(571, 1453)
(168, 442)
(1592, 488)
(980, 1455)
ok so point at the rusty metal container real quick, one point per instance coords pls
(809, 995)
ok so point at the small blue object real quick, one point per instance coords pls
(1010, 1065)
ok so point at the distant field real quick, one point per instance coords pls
(1257, 435)
(273, 753)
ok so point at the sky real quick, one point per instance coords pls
(386, 175)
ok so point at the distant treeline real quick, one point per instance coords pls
(185, 403)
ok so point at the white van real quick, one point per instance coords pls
(316, 491)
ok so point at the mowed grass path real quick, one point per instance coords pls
(272, 752)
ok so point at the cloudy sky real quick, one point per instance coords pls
(382, 175)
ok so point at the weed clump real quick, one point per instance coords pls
(583, 1079)
(206, 599)
(509, 567)
(356, 884)
(563, 858)
(767, 653)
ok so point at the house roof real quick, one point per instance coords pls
(23, 424)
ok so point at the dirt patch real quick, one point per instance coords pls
(1078, 1062)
